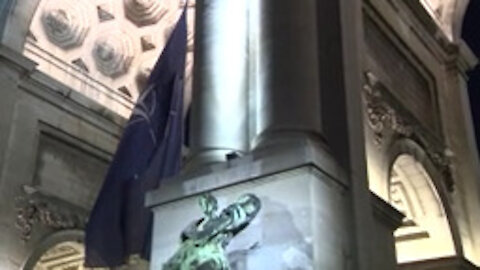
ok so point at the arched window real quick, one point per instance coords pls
(425, 233)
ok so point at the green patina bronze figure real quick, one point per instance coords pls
(203, 242)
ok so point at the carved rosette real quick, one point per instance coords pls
(113, 53)
(66, 23)
(145, 12)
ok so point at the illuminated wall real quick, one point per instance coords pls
(425, 233)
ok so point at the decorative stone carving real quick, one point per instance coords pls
(66, 23)
(147, 43)
(105, 12)
(80, 64)
(113, 53)
(442, 161)
(125, 91)
(384, 120)
(35, 209)
(107, 43)
(145, 12)
(382, 117)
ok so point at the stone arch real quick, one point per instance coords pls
(418, 189)
(72, 239)
(19, 15)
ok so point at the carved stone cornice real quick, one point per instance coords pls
(386, 122)
(35, 209)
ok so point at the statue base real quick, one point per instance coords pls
(305, 220)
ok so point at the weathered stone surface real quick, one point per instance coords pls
(66, 23)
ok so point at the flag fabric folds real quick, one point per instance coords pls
(149, 150)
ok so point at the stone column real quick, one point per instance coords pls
(287, 79)
(219, 110)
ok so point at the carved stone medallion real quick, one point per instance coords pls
(113, 53)
(145, 12)
(65, 23)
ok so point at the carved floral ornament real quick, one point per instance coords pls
(34, 209)
(385, 122)
(66, 24)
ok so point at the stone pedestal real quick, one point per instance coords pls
(304, 221)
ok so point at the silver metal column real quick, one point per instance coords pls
(219, 110)
(288, 94)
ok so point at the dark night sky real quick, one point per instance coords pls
(471, 34)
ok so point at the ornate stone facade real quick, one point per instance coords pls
(110, 44)
(93, 60)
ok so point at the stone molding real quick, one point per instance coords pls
(381, 116)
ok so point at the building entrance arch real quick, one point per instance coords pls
(426, 232)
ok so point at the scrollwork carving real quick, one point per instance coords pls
(35, 210)
(381, 117)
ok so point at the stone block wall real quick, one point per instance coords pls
(55, 146)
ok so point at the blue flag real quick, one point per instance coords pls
(149, 150)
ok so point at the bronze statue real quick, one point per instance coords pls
(203, 242)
